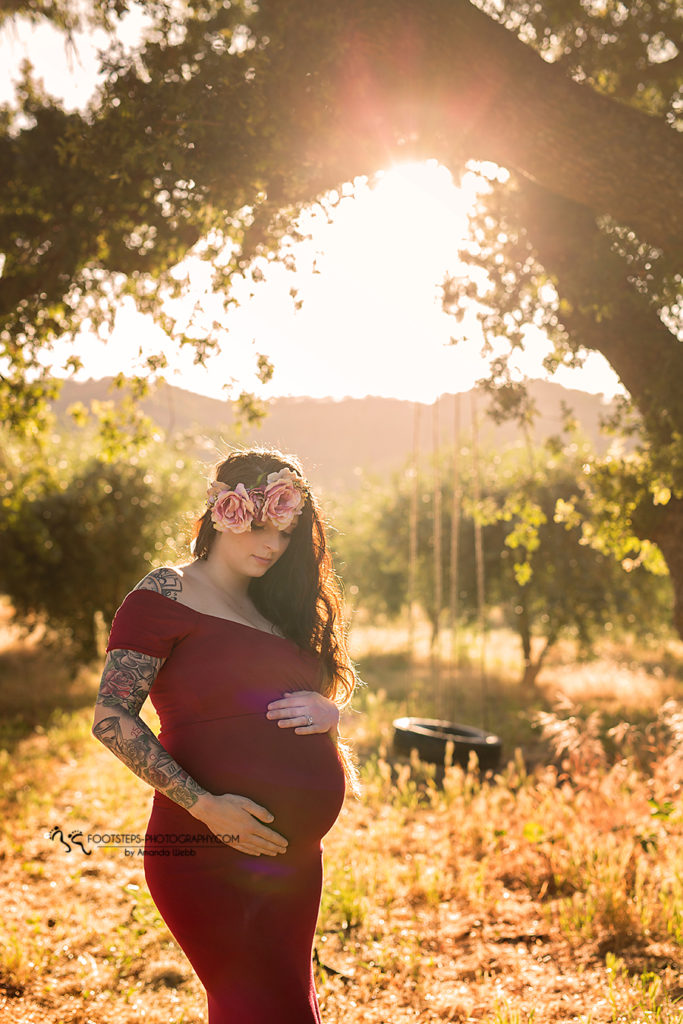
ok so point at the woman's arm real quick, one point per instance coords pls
(126, 681)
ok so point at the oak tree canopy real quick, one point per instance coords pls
(232, 116)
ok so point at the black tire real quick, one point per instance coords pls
(429, 736)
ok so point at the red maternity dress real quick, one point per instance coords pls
(245, 923)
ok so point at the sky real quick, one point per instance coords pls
(370, 320)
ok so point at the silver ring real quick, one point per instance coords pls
(309, 720)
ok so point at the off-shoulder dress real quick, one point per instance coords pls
(245, 923)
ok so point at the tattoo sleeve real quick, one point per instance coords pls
(126, 681)
(163, 581)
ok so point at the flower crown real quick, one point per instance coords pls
(281, 499)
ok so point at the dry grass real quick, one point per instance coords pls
(552, 893)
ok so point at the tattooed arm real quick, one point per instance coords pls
(126, 682)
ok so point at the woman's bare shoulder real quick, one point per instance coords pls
(165, 580)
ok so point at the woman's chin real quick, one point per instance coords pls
(262, 565)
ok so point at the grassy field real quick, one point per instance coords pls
(551, 892)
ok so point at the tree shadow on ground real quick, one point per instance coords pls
(37, 679)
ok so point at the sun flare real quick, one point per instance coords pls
(360, 315)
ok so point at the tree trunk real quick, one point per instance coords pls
(606, 312)
(665, 528)
(85, 637)
(524, 631)
(434, 635)
(609, 315)
(523, 626)
(532, 669)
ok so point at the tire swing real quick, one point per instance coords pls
(429, 737)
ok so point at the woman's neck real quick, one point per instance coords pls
(224, 578)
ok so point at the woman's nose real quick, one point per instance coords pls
(273, 541)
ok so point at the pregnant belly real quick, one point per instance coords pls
(298, 778)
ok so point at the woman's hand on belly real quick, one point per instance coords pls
(231, 815)
(305, 711)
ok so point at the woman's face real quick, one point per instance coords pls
(255, 551)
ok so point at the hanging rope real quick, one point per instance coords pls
(479, 558)
(438, 565)
(456, 505)
(412, 555)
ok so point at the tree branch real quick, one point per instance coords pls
(443, 77)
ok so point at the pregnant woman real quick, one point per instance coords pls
(243, 654)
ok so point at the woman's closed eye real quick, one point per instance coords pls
(258, 527)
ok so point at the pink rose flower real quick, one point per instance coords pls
(258, 497)
(283, 498)
(119, 685)
(215, 490)
(233, 510)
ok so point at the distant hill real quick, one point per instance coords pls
(338, 441)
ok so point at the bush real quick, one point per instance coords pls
(80, 530)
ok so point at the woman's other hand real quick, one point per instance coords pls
(305, 711)
(231, 815)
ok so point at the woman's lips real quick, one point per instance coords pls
(263, 561)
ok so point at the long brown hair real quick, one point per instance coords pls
(301, 594)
